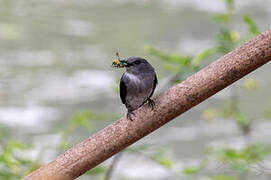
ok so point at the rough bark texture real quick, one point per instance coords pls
(169, 105)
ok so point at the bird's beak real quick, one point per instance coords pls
(125, 63)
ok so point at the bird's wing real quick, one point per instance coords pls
(154, 86)
(123, 90)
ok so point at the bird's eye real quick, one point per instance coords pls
(137, 62)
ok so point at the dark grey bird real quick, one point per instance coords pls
(137, 84)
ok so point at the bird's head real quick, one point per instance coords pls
(137, 65)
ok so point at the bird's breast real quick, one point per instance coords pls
(138, 89)
(137, 85)
(133, 78)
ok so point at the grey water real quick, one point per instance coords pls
(55, 59)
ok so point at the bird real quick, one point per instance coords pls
(137, 84)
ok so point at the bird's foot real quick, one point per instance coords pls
(129, 115)
(151, 103)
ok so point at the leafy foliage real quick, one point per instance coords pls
(98, 170)
(247, 155)
(253, 29)
(12, 165)
(194, 169)
(182, 66)
(162, 158)
(222, 177)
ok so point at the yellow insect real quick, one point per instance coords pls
(116, 62)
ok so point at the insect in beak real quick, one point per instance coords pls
(119, 63)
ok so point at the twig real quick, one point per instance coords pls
(112, 166)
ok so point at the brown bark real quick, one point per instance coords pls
(169, 105)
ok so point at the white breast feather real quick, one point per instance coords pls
(132, 77)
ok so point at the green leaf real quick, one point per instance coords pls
(165, 162)
(168, 57)
(222, 18)
(192, 170)
(184, 60)
(228, 110)
(96, 171)
(255, 152)
(253, 29)
(228, 155)
(267, 112)
(243, 123)
(162, 158)
(18, 145)
(203, 55)
(230, 4)
(222, 177)
(227, 41)
(136, 148)
(243, 157)
(83, 119)
(171, 67)
(64, 145)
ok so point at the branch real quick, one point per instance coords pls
(169, 105)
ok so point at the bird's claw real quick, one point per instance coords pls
(151, 103)
(129, 115)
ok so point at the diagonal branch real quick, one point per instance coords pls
(169, 105)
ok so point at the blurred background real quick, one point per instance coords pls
(57, 86)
